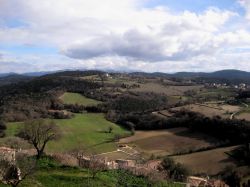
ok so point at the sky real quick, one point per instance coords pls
(125, 35)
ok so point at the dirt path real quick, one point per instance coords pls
(232, 115)
(235, 113)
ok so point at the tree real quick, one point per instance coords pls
(174, 171)
(14, 172)
(38, 133)
(95, 166)
(110, 129)
(231, 176)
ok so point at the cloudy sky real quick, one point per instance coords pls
(124, 35)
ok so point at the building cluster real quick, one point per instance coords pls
(241, 86)
(151, 169)
(145, 169)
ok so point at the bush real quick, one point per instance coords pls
(174, 171)
(2, 129)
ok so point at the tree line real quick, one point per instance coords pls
(232, 131)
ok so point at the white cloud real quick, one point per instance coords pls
(123, 34)
(246, 6)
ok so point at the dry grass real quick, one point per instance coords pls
(208, 111)
(231, 108)
(245, 116)
(167, 90)
(167, 142)
(210, 162)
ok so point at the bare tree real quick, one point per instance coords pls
(39, 133)
(14, 172)
(95, 166)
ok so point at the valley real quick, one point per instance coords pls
(132, 118)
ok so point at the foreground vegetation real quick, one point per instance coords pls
(52, 174)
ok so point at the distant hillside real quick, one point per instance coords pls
(7, 74)
(234, 76)
(13, 78)
(230, 74)
(223, 74)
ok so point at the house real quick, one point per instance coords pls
(123, 164)
(217, 183)
(193, 181)
(153, 164)
(83, 161)
(111, 165)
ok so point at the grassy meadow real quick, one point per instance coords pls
(83, 131)
(76, 98)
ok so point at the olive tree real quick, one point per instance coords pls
(38, 133)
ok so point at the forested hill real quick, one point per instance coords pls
(13, 78)
(228, 76)
(225, 74)
(33, 98)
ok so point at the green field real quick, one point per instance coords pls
(76, 98)
(83, 131)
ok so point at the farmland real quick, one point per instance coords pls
(167, 90)
(76, 98)
(168, 142)
(210, 162)
(211, 110)
(244, 115)
(214, 93)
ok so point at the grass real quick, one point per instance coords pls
(76, 98)
(215, 92)
(86, 131)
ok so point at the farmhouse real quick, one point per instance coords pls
(193, 181)
(153, 164)
(123, 164)
(83, 161)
